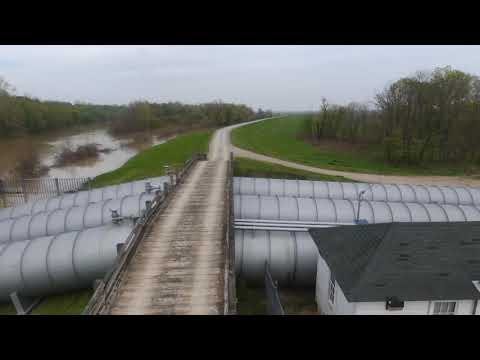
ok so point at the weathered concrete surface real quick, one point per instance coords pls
(179, 266)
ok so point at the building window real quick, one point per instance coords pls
(331, 289)
(444, 307)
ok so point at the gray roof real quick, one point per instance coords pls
(411, 261)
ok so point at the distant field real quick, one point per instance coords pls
(281, 138)
(253, 168)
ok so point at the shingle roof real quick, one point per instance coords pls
(412, 261)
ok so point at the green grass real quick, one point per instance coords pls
(280, 138)
(7, 309)
(253, 168)
(250, 300)
(71, 303)
(150, 163)
(298, 301)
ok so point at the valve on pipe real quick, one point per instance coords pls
(116, 218)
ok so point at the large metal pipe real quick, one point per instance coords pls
(82, 198)
(345, 190)
(345, 211)
(292, 256)
(72, 219)
(55, 264)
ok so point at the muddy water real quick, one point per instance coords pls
(120, 149)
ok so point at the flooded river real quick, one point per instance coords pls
(120, 149)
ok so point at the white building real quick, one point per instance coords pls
(398, 269)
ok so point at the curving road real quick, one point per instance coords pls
(222, 140)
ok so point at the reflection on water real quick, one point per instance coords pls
(120, 150)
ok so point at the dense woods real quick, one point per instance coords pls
(430, 116)
(21, 114)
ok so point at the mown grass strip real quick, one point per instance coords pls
(253, 168)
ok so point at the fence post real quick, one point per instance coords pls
(24, 190)
(57, 187)
(3, 196)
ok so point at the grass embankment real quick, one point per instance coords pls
(282, 138)
(253, 168)
(148, 163)
(151, 162)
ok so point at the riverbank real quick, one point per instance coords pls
(152, 162)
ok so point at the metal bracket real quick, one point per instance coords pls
(24, 304)
(120, 247)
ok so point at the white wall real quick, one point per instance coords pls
(341, 305)
(464, 307)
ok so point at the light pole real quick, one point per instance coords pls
(360, 194)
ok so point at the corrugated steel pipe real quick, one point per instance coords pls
(55, 264)
(345, 190)
(345, 211)
(292, 256)
(73, 218)
(82, 198)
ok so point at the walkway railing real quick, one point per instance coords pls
(230, 286)
(105, 289)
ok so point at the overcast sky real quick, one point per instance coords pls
(274, 77)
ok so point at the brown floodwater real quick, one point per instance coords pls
(12, 150)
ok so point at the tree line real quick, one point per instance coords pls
(430, 116)
(142, 115)
(23, 114)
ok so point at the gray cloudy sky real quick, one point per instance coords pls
(275, 77)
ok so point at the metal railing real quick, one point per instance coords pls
(16, 191)
(230, 298)
(105, 289)
(274, 305)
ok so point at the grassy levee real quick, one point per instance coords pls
(149, 163)
(282, 138)
(254, 168)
